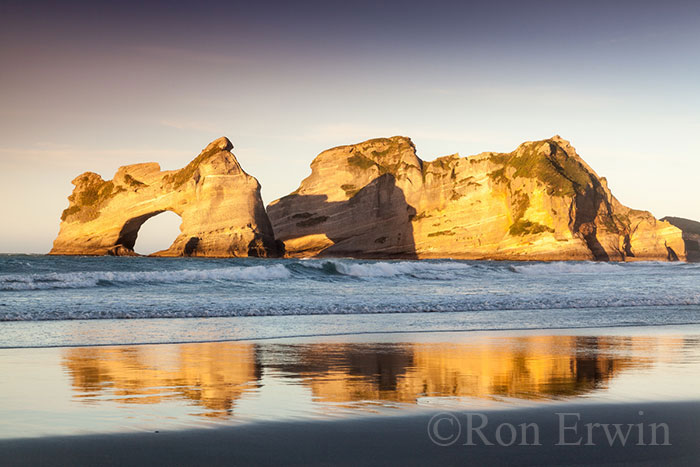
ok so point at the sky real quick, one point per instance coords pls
(91, 86)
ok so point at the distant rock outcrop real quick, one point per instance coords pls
(691, 235)
(540, 202)
(220, 205)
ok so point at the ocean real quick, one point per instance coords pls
(79, 301)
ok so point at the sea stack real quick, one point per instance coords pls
(220, 205)
(378, 199)
(691, 236)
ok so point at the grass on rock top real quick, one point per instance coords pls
(181, 177)
(561, 173)
(387, 160)
(90, 199)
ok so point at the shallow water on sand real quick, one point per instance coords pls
(176, 386)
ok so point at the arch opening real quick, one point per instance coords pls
(151, 232)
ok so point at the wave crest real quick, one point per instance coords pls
(419, 269)
(562, 267)
(74, 280)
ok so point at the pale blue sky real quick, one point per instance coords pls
(89, 87)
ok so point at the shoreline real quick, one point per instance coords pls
(388, 440)
(509, 332)
(519, 259)
(498, 259)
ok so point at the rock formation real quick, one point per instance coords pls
(691, 235)
(540, 202)
(220, 205)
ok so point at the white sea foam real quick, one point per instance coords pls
(567, 268)
(72, 280)
(444, 270)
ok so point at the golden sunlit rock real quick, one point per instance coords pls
(220, 205)
(540, 202)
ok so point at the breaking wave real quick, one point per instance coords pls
(73, 280)
(55, 288)
(336, 269)
(562, 267)
(445, 270)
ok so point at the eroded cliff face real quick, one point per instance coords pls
(540, 202)
(220, 206)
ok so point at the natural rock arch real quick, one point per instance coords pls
(219, 203)
(151, 233)
(130, 230)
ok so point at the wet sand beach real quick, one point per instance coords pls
(401, 440)
(359, 399)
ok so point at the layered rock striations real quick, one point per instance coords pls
(219, 203)
(378, 199)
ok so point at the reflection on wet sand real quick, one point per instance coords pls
(214, 376)
(525, 368)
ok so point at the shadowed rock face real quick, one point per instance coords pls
(539, 202)
(220, 205)
(375, 222)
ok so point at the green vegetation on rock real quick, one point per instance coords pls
(455, 195)
(561, 173)
(87, 202)
(350, 190)
(387, 161)
(69, 212)
(380, 154)
(499, 176)
(499, 157)
(609, 223)
(444, 163)
(524, 227)
(421, 215)
(441, 233)
(96, 193)
(131, 181)
(521, 202)
(361, 162)
(182, 176)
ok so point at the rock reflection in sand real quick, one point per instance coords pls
(214, 376)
